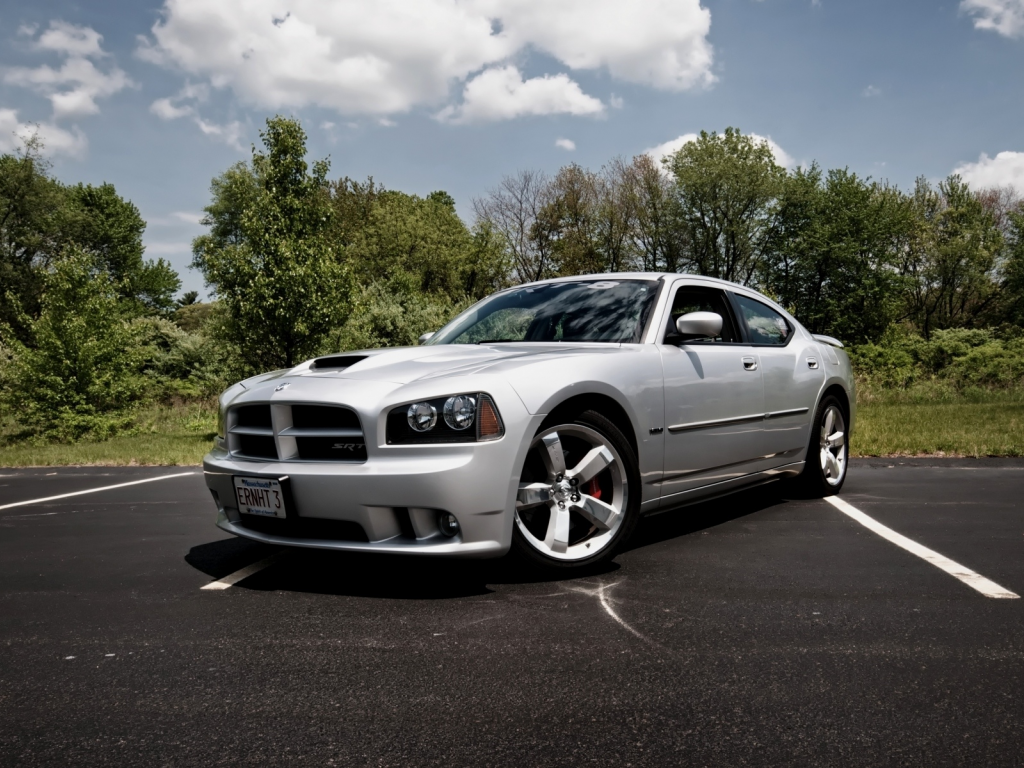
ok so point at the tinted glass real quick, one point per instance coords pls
(593, 310)
(689, 300)
(766, 326)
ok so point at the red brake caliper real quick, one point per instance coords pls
(592, 489)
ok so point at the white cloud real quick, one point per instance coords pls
(660, 152)
(71, 40)
(567, 144)
(75, 86)
(871, 90)
(1006, 169)
(184, 104)
(1005, 17)
(229, 133)
(382, 57)
(56, 140)
(502, 94)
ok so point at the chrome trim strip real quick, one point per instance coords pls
(716, 423)
(790, 412)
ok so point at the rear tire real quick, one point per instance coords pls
(579, 495)
(827, 451)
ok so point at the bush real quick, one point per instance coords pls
(81, 375)
(390, 315)
(956, 360)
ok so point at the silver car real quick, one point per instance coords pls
(546, 419)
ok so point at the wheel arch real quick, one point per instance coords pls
(607, 406)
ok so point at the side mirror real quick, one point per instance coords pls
(426, 337)
(700, 325)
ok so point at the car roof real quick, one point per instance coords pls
(633, 276)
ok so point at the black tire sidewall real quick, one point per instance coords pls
(594, 420)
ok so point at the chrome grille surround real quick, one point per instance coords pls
(295, 432)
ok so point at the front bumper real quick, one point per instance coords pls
(394, 497)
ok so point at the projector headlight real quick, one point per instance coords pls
(419, 423)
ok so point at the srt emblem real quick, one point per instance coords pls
(282, 386)
(346, 446)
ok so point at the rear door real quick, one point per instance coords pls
(714, 398)
(793, 373)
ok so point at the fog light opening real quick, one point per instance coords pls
(448, 524)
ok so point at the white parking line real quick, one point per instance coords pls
(95, 490)
(233, 578)
(966, 575)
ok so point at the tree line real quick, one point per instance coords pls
(300, 264)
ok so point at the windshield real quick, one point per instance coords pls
(613, 311)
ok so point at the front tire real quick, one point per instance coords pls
(828, 451)
(579, 494)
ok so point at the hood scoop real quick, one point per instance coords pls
(336, 362)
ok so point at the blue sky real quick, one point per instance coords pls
(158, 98)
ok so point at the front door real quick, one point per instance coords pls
(714, 398)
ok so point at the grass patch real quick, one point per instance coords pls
(163, 435)
(905, 424)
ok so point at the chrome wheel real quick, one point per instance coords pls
(833, 446)
(572, 494)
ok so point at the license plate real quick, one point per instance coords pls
(260, 496)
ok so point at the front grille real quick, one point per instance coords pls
(305, 528)
(296, 432)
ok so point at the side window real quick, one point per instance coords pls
(766, 326)
(693, 299)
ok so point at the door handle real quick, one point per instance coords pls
(812, 363)
(750, 363)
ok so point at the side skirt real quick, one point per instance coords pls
(725, 488)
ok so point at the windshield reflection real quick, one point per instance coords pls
(613, 311)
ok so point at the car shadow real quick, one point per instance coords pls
(355, 574)
(694, 518)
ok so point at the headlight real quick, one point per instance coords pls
(419, 423)
(421, 417)
(460, 412)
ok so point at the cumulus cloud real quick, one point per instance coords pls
(382, 57)
(1006, 169)
(567, 144)
(56, 140)
(74, 87)
(502, 94)
(660, 152)
(1005, 17)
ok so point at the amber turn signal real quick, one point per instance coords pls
(489, 426)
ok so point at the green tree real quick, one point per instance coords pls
(833, 252)
(952, 262)
(273, 266)
(111, 228)
(80, 370)
(725, 190)
(31, 209)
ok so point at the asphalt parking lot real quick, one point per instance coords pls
(753, 630)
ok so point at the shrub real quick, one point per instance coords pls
(80, 374)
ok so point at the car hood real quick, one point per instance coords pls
(404, 365)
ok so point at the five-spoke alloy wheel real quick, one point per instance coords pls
(578, 495)
(828, 451)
